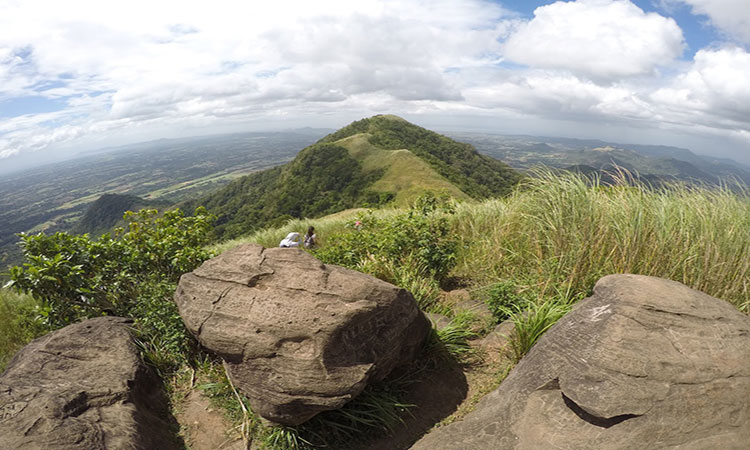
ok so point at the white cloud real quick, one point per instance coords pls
(601, 39)
(154, 68)
(730, 16)
(713, 92)
(146, 61)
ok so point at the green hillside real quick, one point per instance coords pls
(371, 162)
(107, 211)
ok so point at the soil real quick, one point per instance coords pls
(204, 427)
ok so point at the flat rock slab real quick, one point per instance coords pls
(298, 337)
(643, 363)
(83, 387)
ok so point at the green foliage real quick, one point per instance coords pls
(107, 212)
(452, 341)
(561, 233)
(18, 324)
(132, 274)
(419, 239)
(531, 322)
(501, 297)
(322, 179)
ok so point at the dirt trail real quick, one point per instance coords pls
(204, 427)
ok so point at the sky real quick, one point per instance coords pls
(79, 75)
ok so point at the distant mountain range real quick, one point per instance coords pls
(653, 163)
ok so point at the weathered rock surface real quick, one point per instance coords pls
(643, 363)
(299, 337)
(83, 387)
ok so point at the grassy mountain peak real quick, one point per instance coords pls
(371, 162)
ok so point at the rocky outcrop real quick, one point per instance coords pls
(643, 363)
(298, 337)
(83, 387)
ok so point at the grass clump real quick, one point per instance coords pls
(531, 322)
(450, 344)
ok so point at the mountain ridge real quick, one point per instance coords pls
(370, 162)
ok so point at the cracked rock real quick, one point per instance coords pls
(298, 337)
(643, 363)
(83, 387)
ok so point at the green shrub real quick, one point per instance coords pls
(420, 237)
(131, 274)
(18, 324)
(501, 297)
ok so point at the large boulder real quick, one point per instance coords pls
(643, 363)
(83, 387)
(298, 337)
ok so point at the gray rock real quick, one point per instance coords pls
(498, 338)
(438, 321)
(643, 363)
(83, 387)
(299, 337)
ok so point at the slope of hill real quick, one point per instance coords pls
(107, 211)
(383, 159)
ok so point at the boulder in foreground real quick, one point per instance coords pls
(643, 363)
(298, 337)
(83, 387)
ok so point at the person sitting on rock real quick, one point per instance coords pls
(291, 240)
(310, 237)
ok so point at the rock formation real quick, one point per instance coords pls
(643, 363)
(83, 387)
(298, 337)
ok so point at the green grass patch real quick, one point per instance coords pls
(405, 174)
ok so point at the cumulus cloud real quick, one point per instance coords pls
(147, 68)
(601, 39)
(128, 64)
(714, 91)
(732, 17)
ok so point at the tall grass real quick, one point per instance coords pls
(560, 233)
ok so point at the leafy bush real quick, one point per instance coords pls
(132, 274)
(500, 298)
(17, 324)
(419, 238)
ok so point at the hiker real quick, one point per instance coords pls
(310, 238)
(291, 240)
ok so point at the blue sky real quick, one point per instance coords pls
(83, 74)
